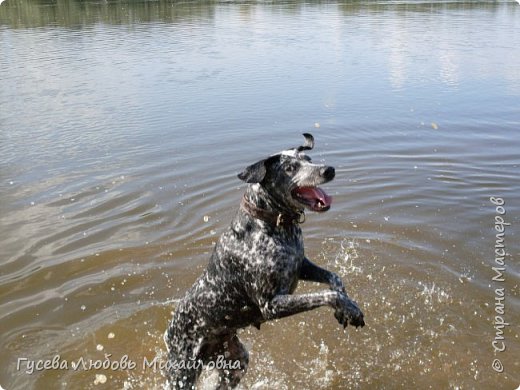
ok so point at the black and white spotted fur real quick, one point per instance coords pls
(253, 272)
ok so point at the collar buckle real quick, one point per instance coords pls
(281, 219)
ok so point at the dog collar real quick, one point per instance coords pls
(273, 218)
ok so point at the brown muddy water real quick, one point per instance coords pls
(122, 128)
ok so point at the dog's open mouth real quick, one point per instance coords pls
(313, 197)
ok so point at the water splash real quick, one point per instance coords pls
(345, 255)
(433, 294)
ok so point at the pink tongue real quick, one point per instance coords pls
(315, 193)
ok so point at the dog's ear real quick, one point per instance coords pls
(254, 173)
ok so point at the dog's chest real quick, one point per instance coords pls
(273, 255)
(273, 244)
(262, 255)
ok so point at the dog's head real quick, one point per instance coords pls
(291, 178)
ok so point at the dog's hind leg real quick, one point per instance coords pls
(230, 358)
(235, 353)
(183, 367)
(182, 379)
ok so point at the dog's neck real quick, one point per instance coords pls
(259, 204)
(260, 197)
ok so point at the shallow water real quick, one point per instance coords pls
(122, 128)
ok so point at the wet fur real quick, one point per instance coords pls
(252, 273)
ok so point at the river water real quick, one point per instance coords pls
(123, 126)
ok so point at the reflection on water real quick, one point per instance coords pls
(73, 13)
(122, 126)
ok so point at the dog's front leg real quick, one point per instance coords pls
(314, 273)
(346, 310)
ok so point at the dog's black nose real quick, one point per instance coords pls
(328, 173)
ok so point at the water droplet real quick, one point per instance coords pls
(100, 378)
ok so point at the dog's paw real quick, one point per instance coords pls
(348, 312)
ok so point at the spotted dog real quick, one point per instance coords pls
(253, 271)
